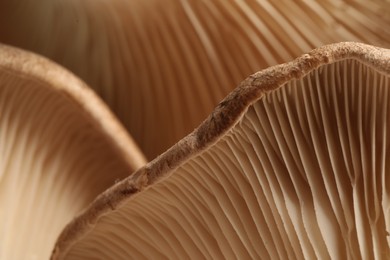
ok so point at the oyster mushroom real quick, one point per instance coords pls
(293, 164)
(162, 66)
(59, 148)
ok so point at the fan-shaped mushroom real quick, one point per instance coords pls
(293, 164)
(59, 148)
(163, 65)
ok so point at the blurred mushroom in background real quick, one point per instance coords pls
(162, 66)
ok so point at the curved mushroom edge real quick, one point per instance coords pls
(224, 117)
(26, 64)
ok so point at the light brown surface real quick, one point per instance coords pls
(60, 147)
(132, 200)
(162, 66)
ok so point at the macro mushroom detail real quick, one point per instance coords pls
(292, 164)
(300, 172)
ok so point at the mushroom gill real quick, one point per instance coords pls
(162, 66)
(59, 148)
(293, 164)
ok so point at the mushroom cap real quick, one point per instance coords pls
(59, 148)
(162, 66)
(293, 164)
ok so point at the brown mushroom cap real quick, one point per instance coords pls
(293, 164)
(59, 148)
(162, 66)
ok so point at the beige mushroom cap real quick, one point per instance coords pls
(293, 164)
(59, 148)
